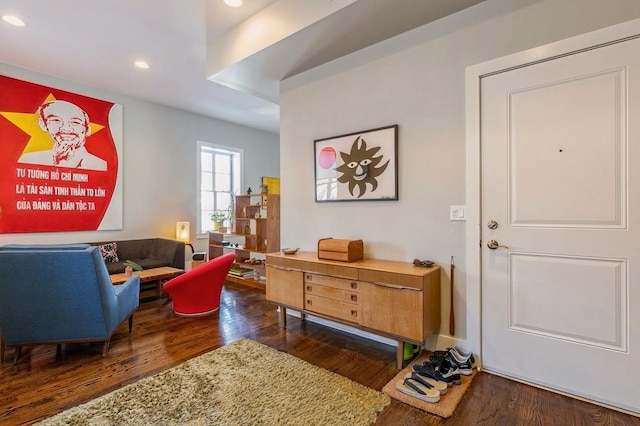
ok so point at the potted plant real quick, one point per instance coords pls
(129, 266)
(218, 217)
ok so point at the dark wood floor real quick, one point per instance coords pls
(42, 385)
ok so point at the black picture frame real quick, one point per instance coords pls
(358, 166)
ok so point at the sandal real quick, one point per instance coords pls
(438, 385)
(418, 389)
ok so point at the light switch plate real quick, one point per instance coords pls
(457, 213)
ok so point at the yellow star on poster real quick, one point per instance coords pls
(28, 122)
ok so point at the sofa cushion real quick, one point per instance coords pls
(152, 262)
(109, 252)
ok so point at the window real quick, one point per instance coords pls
(218, 180)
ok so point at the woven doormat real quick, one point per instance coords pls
(443, 408)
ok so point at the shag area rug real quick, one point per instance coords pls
(242, 383)
(443, 408)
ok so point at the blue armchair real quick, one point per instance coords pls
(60, 294)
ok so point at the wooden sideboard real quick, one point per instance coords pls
(394, 299)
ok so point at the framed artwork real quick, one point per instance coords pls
(361, 166)
(60, 168)
(272, 184)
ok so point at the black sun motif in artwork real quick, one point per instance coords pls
(361, 167)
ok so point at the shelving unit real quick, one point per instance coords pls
(257, 231)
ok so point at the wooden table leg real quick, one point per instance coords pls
(400, 354)
(283, 316)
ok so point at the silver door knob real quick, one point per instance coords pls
(492, 224)
(493, 244)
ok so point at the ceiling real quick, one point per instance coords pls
(204, 56)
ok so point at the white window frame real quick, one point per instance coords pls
(236, 178)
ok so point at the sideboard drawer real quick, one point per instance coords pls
(334, 308)
(350, 285)
(285, 286)
(332, 269)
(392, 278)
(331, 293)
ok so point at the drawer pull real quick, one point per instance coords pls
(308, 302)
(308, 277)
(397, 287)
(309, 288)
(282, 268)
(354, 313)
(354, 298)
(354, 285)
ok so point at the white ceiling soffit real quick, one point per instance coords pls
(94, 43)
(289, 37)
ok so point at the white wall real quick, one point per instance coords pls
(417, 82)
(160, 157)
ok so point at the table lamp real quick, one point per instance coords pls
(183, 233)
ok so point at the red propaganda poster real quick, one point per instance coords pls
(59, 167)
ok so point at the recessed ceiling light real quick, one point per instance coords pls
(13, 20)
(141, 64)
(234, 3)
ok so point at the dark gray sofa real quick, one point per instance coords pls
(148, 253)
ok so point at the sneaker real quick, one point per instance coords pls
(464, 361)
(449, 370)
(461, 353)
(444, 371)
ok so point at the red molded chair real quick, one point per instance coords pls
(197, 291)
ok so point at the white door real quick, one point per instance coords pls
(560, 152)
